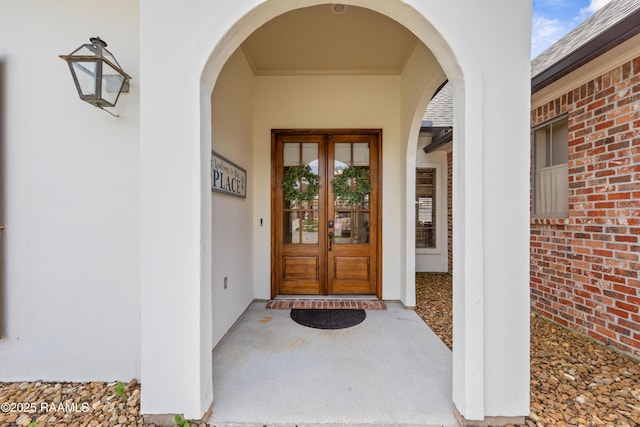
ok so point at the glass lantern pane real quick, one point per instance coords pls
(112, 82)
(109, 57)
(85, 50)
(85, 74)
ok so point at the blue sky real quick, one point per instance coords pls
(552, 19)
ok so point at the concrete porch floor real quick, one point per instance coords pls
(390, 370)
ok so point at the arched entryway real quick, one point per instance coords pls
(321, 87)
(179, 380)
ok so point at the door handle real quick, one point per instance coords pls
(330, 241)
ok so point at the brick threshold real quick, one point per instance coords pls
(326, 303)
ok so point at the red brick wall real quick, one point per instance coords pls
(584, 268)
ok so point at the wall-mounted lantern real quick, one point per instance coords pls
(96, 73)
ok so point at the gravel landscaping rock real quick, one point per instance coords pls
(70, 404)
(574, 380)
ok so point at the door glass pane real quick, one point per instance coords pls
(345, 204)
(425, 208)
(361, 228)
(350, 155)
(300, 220)
(343, 153)
(352, 219)
(352, 228)
(301, 227)
(291, 229)
(310, 227)
(361, 154)
(301, 153)
(310, 155)
(342, 227)
(291, 153)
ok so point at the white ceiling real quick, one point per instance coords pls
(316, 40)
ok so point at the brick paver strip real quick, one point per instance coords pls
(286, 304)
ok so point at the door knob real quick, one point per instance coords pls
(330, 224)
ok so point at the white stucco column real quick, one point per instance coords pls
(490, 199)
(505, 209)
(468, 254)
(490, 223)
(175, 271)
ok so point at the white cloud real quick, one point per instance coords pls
(593, 7)
(545, 32)
(553, 3)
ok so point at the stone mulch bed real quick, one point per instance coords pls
(574, 380)
(29, 404)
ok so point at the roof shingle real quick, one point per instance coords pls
(439, 112)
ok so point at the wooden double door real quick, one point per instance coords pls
(326, 244)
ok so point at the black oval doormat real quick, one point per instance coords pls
(327, 318)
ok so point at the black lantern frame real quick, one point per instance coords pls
(97, 75)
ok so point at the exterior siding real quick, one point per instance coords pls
(584, 268)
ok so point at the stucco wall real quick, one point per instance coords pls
(422, 75)
(71, 305)
(232, 217)
(348, 102)
(491, 354)
(292, 102)
(109, 242)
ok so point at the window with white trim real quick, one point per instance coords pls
(551, 178)
(425, 208)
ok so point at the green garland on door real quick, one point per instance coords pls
(352, 194)
(297, 174)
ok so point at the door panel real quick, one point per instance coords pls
(353, 258)
(328, 245)
(351, 268)
(300, 268)
(299, 250)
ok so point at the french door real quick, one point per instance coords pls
(325, 241)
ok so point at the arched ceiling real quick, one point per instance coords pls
(317, 40)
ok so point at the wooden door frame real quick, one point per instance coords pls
(274, 136)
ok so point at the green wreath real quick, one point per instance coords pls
(291, 184)
(352, 185)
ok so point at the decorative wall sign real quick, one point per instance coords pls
(227, 177)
